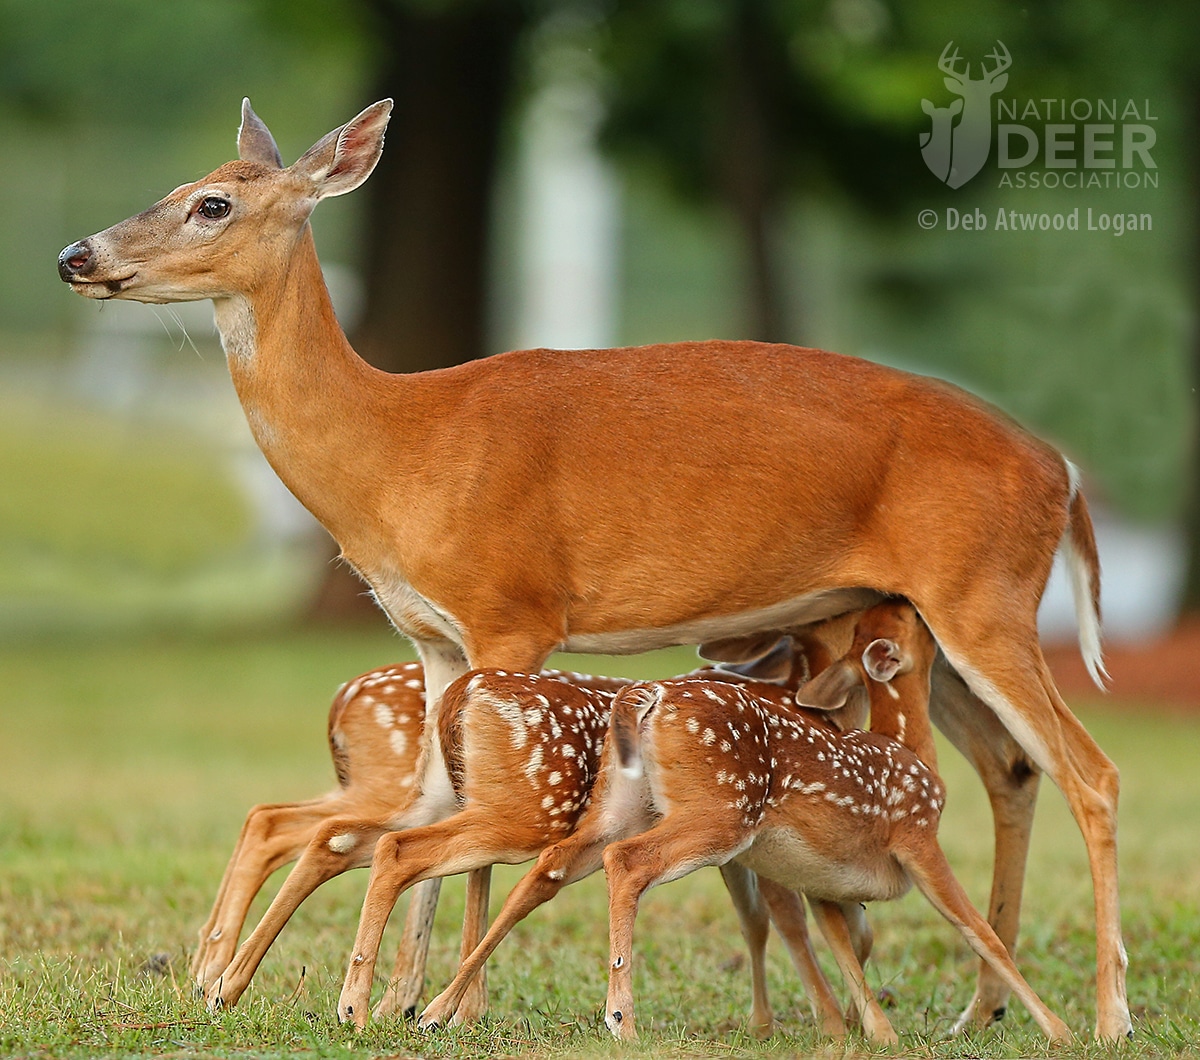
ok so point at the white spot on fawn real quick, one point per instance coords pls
(535, 762)
(342, 844)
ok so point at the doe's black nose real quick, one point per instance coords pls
(75, 261)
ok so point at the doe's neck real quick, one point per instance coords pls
(325, 419)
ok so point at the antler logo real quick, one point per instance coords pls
(956, 151)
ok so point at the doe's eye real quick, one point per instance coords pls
(213, 209)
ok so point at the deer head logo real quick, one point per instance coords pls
(956, 151)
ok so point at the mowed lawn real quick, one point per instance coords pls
(126, 769)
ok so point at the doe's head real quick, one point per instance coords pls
(231, 231)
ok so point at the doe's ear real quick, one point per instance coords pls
(883, 659)
(830, 688)
(255, 142)
(341, 160)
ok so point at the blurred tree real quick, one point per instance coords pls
(449, 65)
(1191, 83)
(452, 68)
(744, 103)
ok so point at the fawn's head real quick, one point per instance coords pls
(890, 641)
(226, 233)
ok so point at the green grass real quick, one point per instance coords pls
(108, 524)
(126, 768)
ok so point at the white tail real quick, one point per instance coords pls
(1083, 567)
(843, 817)
(537, 500)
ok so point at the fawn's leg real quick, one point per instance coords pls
(674, 847)
(572, 859)
(862, 939)
(408, 977)
(338, 845)
(755, 923)
(927, 865)
(787, 914)
(271, 837)
(833, 925)
(469, 840)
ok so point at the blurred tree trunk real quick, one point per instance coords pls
(747, 168)
(449, 69)
(1190, 604)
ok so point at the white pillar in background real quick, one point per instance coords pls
(568, 223)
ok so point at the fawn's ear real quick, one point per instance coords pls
(255, 142)
(769, 660)
(830, 688)
(883, 659)
(341, 160)
(746, 649)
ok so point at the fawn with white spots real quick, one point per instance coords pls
(496, 729)
(523, 752)
(374, 728)
(375, 724)
(842, 817)
(540, 500)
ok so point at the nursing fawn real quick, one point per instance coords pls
(374, 734)
(842, 817)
